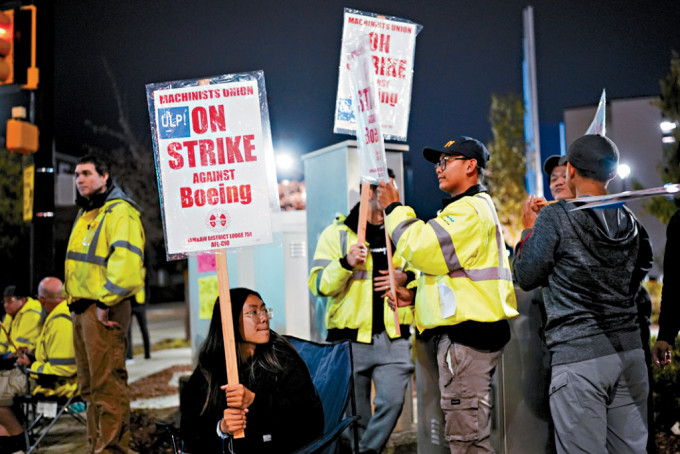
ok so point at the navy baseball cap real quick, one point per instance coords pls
(462, 146)
(552, 162)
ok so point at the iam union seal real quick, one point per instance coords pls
(217, 220)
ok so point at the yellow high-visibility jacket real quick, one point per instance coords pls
(140, 296)
(55, 353)
(24, 328)
(465, 272)
(349, 293)
(105, 253)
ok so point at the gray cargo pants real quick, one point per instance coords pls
(600, 405)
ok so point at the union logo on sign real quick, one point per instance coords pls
(218, 220)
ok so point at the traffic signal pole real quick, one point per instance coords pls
(41, 114)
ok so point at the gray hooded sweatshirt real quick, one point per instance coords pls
(590, 263)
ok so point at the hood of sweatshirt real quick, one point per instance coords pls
(97, 200)
(608, 234)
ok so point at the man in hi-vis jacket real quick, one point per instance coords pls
(104, 263)
(465, 291)
(354, 278)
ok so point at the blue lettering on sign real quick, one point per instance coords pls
(345, 111)
(174, 122)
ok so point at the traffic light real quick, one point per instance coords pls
(17, 47)
(6, 45)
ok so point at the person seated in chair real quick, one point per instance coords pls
(21, 325)
(51, 366)
(275, 403)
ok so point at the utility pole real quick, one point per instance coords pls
(27, 89)
(42, 103)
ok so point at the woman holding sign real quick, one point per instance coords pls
(276, 402)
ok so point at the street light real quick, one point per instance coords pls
(667, 126)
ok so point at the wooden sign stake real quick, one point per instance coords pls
(393, 282)
(227, 322)
(363, 213)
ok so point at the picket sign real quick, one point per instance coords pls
(371, 145)
(216, 174)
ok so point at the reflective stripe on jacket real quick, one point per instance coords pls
(55, 353)
(465, 272)
(349, 293)
(24, 328)
(105, 254)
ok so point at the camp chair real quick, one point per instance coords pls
(330, 365)
(39, 413)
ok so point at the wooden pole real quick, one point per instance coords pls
(363, 213)
(393, 282)
(227, 322)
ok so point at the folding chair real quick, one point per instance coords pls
(39, 412)
(330, 366)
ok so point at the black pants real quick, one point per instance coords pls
(139, 312)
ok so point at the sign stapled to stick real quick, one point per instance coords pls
(392, 44)
(216, 174)
(372, 160)
(214, 162)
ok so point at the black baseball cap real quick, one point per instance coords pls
(594, 156)
(552, 162)
(462, 146)
(14, 290)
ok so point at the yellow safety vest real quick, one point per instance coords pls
(55, 353)
(105, 254)
(349, 293)
(465, 272)
(24, 328)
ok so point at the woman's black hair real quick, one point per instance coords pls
(211, 358)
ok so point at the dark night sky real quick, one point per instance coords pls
(465, 52)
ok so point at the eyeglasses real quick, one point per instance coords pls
(443, 160)
(257, 316)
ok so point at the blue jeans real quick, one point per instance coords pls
(388, 363)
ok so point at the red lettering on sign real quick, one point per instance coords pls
(199, 120)
(207, 152)
(185, 195)
(380, 42)
(217, 122)
(177, 160)
(211, 152)
(216, 195)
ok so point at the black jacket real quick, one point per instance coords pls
(669, 319)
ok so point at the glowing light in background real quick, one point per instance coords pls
(667, 126)
(623, 171)
(284, 161)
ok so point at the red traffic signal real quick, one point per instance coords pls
(17, 47)
(6, 47)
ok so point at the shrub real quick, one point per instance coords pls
(667, 392)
